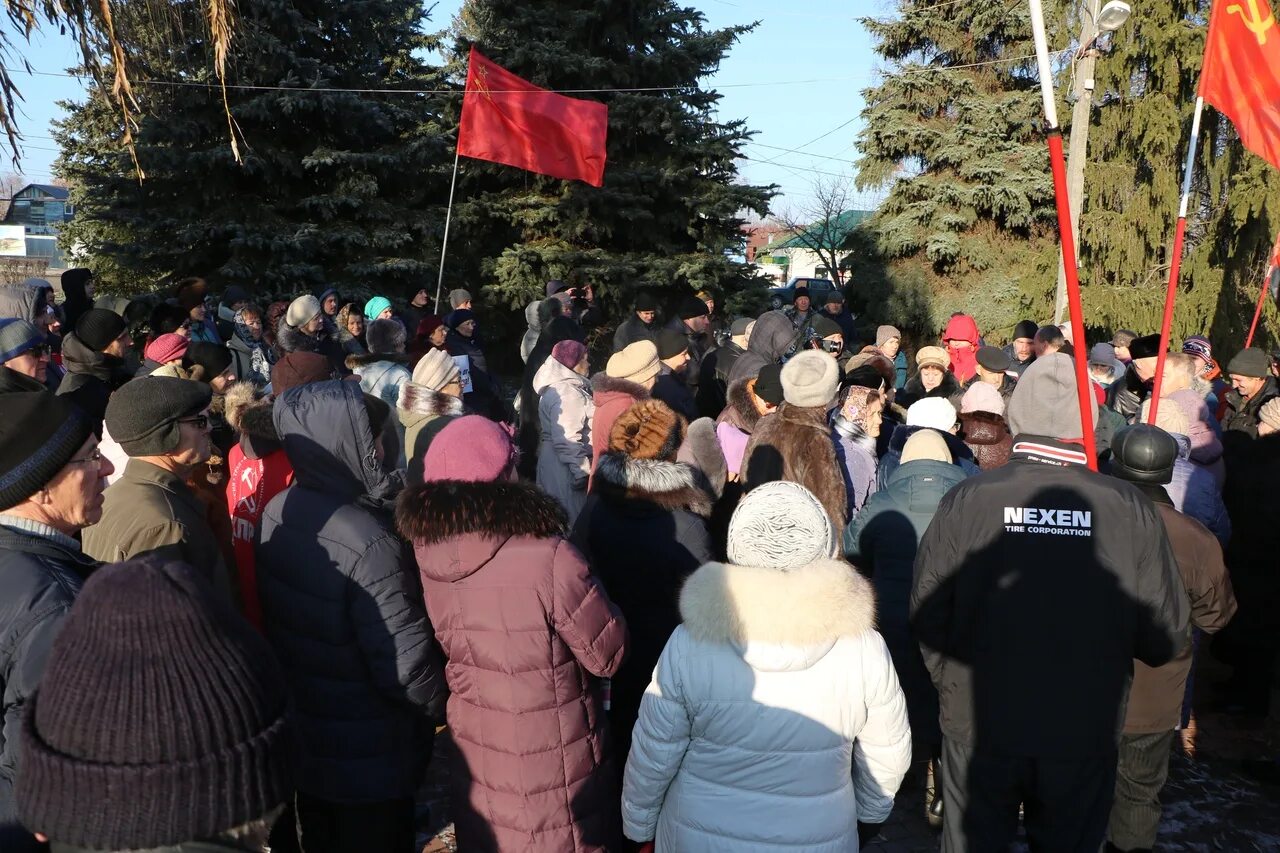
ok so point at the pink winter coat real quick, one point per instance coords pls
(525, 627)
(1206, 447)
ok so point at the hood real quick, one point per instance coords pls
(741, 410)
(602, 384)
(701, 450)
(1184, 446)
(924, 482)
(668, 485)
(780, 620)
(78, 358)
(73, 284)
(247, 411)
(553, 372)
(21, 301)
(984, 428)
(326, 434)
(772, 336)
(418, 399)
(962, 328)
(533, 315)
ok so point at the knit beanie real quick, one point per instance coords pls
(926, 444)
(1269, 414)
(1199, 347)
(636, 362)
(769, 384)
(376, 306)
(456, 318)
(17, 337)
(645, 301)
(385, 337)
(299, 368)
(234, 295)
(435, 370)
(143, 414)
(780, 525)
(458, 298)
(212, 359)
(569, 353)
(39, 434)
(302, 311)
(810, 379)
(933, 412)
(1025, 329)
(671, 343)
(470, 449)
(982, 397)
(98, 327)
(650, 429)
(1251, 362)
(884, 334)
(690, 307)
(167, 348)
(1045, 402)
(933, 357)
(161, 716)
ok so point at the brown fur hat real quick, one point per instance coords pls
(648, 430)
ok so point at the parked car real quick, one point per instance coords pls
(818, 290)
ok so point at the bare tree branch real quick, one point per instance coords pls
(817, 224)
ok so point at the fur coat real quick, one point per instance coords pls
(795, 444)
(612, 397)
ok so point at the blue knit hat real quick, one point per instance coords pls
(376, 306)
(17, 337)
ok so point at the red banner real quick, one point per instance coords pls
(506, 119)
(1241, 74)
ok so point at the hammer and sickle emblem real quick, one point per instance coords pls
(1253, 19)
(482, 79)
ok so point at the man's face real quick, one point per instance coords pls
(385, 314)
(646, 317)
(453, 389)
(991, 377)
(931, 376)
(420, 298)
(697, 324)
(1122, 354)
(194, 447)
(330, 305)
(463, 306)
(121, 346)
(711, 305)
(834, 308)
(34, 363)
(677, 362)
(1145, 367)
(890, 348)
(802, 304)
(467, 329)
(1247, 386)
(1022, 348)
(75, 494)
(223, 381)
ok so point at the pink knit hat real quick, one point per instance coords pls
(568, 353)
(471, 449)
(167, 348)
(982, 397)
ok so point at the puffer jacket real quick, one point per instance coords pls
(39, 580)
(343, 608)
(382, 375)
(1206, 446)
(795, 444)
(988, 438)
(769, 342)
(882, 541)
(611, 397)
(525, 627)
(22, 302)
(565, 409)
(1195, 494)
(961, 456)
(422, 413)
(774, 722)
(91, 379)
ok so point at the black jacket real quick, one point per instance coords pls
(39, 580)
(671, 389)
(699, 345)
(91, 379)
(343, 607)
(1125, 395)
(1035, 586)
(713, 384)
(948, 389)
(632, 330)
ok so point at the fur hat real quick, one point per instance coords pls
(636, 362)
(926, 444)
(933, 357)
(1045, 402)
(648, 430)
(299, 368)
(884, 334)
(810, 379)
(435, 370)
(385, 337)
(1145, 347)
(302, 311)
(780, 525)
(933, 412)
(982, 397)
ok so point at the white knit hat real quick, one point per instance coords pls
(435, 370)
(933, 412)
(780, 525)
(810, 379)
(302, 311)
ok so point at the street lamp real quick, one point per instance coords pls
(1113, 16)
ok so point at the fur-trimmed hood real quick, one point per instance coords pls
(811, 606)
(741, 410)
(355, 361)
(669, 485)
(249, 412)
(701, 449)
(603, 383)
(420, 400)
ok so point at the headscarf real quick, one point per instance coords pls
(260, 364)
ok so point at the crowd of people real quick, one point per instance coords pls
(719, 591)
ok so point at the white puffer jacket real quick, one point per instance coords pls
(774, 722)
(565, 411)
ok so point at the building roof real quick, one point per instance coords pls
(58, 193)
(843, 225)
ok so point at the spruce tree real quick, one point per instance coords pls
(336, 188)
(670, 211)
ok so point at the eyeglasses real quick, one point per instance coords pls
(199, 421)
(40, 351)
(95, 457)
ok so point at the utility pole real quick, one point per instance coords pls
(1078, 145)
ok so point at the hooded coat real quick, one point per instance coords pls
(964, 361)
(560, 329)
(382, 375)
(343, 608)
(422, 413)
(611, 397)
(537, 315)
(75, 300)
(988, 438)
(91, 379)
(769, 342)
(961, 456)
(795, 444)
(565, 409)
(774, 721)
(525, 626)
(1206, 446)
(22, 302)
(882, 542)
(644, 531)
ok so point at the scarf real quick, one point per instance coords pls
(259, 363)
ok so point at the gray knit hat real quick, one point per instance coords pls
(458, 298)
(780, 525)
(1044, 401)
(810, 379)
(143, 415)
(886, 333)
(1251, 362)
(302, 311)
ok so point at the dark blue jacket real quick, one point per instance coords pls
(342, 606)
(961, 455)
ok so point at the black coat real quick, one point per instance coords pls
(713, 384)
(342, 606)
(39, 580)
(699, 345)
(91, 379)
(671, 389)
(948, 389)
(632, 330)
(1252, 495)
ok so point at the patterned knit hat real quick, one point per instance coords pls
(198, 740)
(780, 525)
(648, 430)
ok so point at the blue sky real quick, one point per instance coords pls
(765, 79)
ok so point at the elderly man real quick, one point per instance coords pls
(1126, 395)
(23, 349)
(641, 325)
(992, 368)
(1252, 385)
(51, 482)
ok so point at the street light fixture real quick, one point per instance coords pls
(1113, 16)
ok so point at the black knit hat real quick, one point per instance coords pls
(210, 358)
(161, 716)
(769, 384)
(690, 307)
(39, 435)
(143, 415)
(671, 343)
(645, 301)
(1025, 329)
(98, 327)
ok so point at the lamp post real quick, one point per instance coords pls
(1096, 23)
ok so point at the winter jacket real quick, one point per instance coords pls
(1125, 395)
(644, 531)
(1195, 494)
(964, 360)
(1037, 663)
(537, 315)
(22, 302)
(961, 456)
(381, 375)
(1254, 504)
(795, 444)
(484, 395)
(1206, 446)
(76, 301)
(422, 414)
(565, 409)
(882, 542)
(845, 320)
(699, 345)
(774, 722)
(988, 438)
(857, 454)
(92, 377)
(611, 397)
(948, 389)
(1241, 415)
(737, 422)
(39, 579)
(242, 360)
(290, 339)
(671, 388)
(770, 339)
(1156, 696)
(343, 608)
(713, 383)
(632, 330)
(152, 511)
(525, 626)
(1018, 365)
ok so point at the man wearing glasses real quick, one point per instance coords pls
(51, 482)
(23, 349)
(162, 423)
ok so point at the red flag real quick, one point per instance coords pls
(506, 119)
(1241, 74)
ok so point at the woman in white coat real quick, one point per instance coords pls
(775, 721)
(565, 411)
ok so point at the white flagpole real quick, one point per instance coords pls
(448, 217)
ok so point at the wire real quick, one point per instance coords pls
(801, 153)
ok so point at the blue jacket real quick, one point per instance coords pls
(1194, 492)
(960, 453)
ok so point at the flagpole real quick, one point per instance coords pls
(1058, 162)
(1257, 311)
(1175, 267)
(448, 217)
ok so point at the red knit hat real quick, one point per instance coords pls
(167, 348)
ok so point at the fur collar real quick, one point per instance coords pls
(670, 485)
(742, 405)
(418, 399)
(814, 417)
(355, 361)
(603, 383)
(289, 339)
(814, 604)
(854, 432)
(248, 412)
(433, 512)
